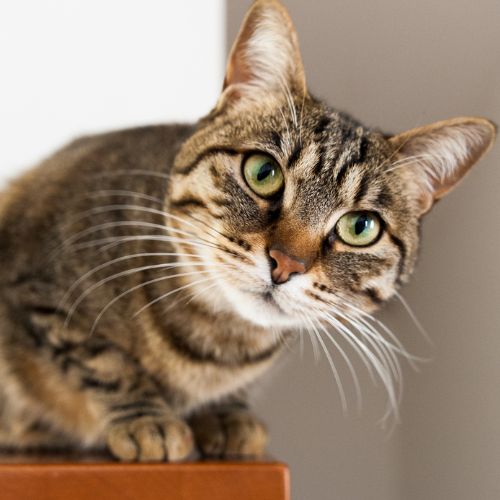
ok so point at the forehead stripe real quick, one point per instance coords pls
(292, 160)
(402, 254)
(363, 186)
(213, 150)
(318, 168)
(275, 140)
(384, 198)
(322, 125)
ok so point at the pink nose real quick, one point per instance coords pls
(284, 266)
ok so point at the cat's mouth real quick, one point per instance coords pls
(263, 305)
(268, 297)
(265, 293)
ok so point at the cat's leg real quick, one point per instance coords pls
(87, 391)
(138, 421)
(26, 433)
(229, 430)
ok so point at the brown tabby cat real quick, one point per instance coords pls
(148, 276)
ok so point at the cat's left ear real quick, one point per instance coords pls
(437, 156)
(265, 59)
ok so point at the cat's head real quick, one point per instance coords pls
(294, 209)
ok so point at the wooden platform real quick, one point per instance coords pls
(49, 478)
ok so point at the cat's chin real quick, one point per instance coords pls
(261, 308)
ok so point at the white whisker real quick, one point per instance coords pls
(286, 123)
(380, 366)
(301, 117)
(314, 342)
(379, 344)
(114, 261)
(137, 287)
(343, 399)
(104, 193)
(165, 295)
(348, 336)
(117, 240)
(217, 232)
(415, 160)
(288, 95)
(136, 171)
(112, 208)
(397, 346)
(414, 318)
(355, 379)
(129, 272)
(200, 292)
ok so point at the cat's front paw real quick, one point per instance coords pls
(237, 434)
(150, 439)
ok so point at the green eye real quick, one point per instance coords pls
(359, 229)
(263, 175)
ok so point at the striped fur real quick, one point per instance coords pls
(136, 299)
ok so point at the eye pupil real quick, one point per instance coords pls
(264, 171)
(361, 224)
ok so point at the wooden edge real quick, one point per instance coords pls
(118, 481)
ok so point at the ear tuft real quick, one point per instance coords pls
(265, 57)
(439, 155)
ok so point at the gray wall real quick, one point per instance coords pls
(397, 64)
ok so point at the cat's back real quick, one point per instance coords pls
(36, 208)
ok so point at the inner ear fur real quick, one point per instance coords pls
(265, 57)
(440, 154)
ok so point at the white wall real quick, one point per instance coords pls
(77, 66)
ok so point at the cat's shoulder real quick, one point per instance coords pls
(131, 139)
(110, 159)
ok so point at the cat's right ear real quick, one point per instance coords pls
(437, 156)
(265, 58)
